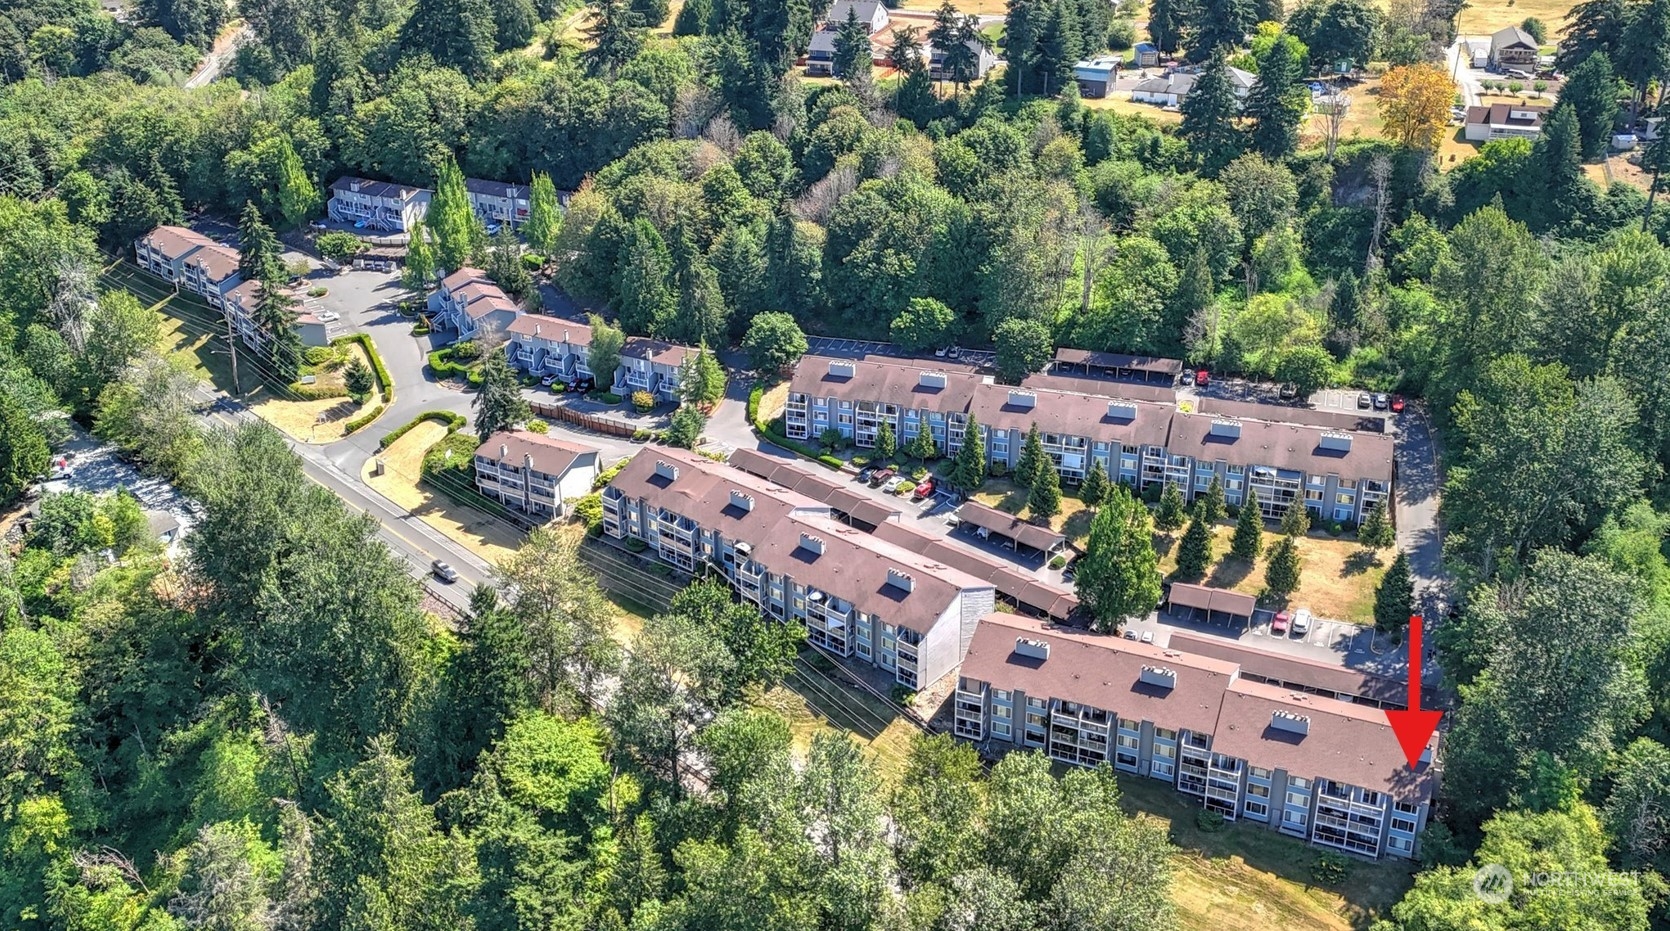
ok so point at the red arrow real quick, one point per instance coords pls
(1414, 727)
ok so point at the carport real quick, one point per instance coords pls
(1200, 601)
(1119, 365)
(987, 521)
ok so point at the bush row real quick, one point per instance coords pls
(361, 421)
(454, 423)
(384, 383)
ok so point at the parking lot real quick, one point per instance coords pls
(859, 348)
(1326, 641)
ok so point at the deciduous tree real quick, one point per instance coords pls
(1118, 578)
(774, 342)
(1415, 104)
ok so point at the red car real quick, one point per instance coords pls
(1202, 378)
(1279, 625)
(1397, 403)
(925, 489)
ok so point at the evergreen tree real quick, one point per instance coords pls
(1557, 155)
(1031, 458)
(643, 273)
(1117, 577)
(968, 468)
(544, 221)
(1642, 57)
(1249, 529)
(922, 446)
(1219, 25)
(457, 34)
(1348, 301)
(1216, 509)
(260, 256)
(1023, 24)
(24, 453)
(513, 24)
(1377, 531)
(652, 13)
(615, 35)
(1095, 488)
(887, 445)
(1168, 20)
(298, 199)
(505, 268)
(1194, 551)
(1209, 113)
(1043, 502)
(1170, 514)
(1196, 293)
(1593, 26)
(1059, 46)
(852, 47)
(459, 235)
(1295, 521)
(1278, 102)
(418, 273)
(499, 405)
(1394, 600)
(275, 316)
(1592, 89)
(1281, 574)
(693, 18)
(914, 98)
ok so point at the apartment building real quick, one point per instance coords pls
(858, 596)
(498, 202)
(650, 365)
(533, 473)
(1338, 473)
(1317, 768)
(240, 308)
(471, 304)
(190, 261)
(379, 205)
(549, 346)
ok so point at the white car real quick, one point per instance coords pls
(1301, 621)
(329, 316)
(317, 224)
(892, 485)
(1147, 636)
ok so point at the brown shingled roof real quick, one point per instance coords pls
(1282, 446)
(555, 329)
(654, 350)
(462, 277)
(1076, 414)
(1294, 671)
(899, 384)
(1211, 599)
(1155, 364)
(218, 262)
(547, 454)
(175, 241)
(1333, 420)
(1008, 525)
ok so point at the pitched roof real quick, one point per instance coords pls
(1118, 360)
(908, 386)
(1241, 78)
(1334, 420)
(1177, 82)
(347, 183)
(554, 329)
(175, 242)
(496, 188)
(1285, 446)
(546, 454)
(1131, 423)
(867, 11)
(1526, 116)
(1292, 671)
(217, 262)
(1211, 599)
(1511, 36)
(659, 352)
(462, 277)
(1008, 525)
(1162, 394)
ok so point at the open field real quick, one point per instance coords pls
(1337, 578)
(1483, 17)
(1122, 103)
(191, 329)
(480, 533)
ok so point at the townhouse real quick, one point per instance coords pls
(190, 260)
(857, 595)
(533, 473)
(650, 365)
(379, 205)
(240, 308)
(1139, 439)
(544, 346)
(497, 202)
(1320, 769)
(469, 303)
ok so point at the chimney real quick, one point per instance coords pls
(504, 452)
(1337, 442)
(666, 470)
(1034, 649)
(354, 185)
(811, 544)
(1158, 675)
(838, 369)
(536, 331)
(1121, 410)
(1290, 722)
(900, 580)
(741, 500)
(1226, 429)
(1022, 399)
(931, 380)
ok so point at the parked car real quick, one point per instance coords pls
(891, 486)
(955, 352)
(328, 316)
(1301, 621)
(865, 473)
(880, 476)
(1364, 402)
(443, 571)
(924, 489)
(317, 224)
(1130, 634)
(1289, 392)
(941, 351)
(586, 383)
(548, 381)
(1147, 636)
(1381, 402)
(1202, 378)
(1397, 403)
(1279, 625)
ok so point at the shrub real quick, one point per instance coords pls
(608, 475)
(588, 511)
(359, 422)
(642, 436)
(537, 426)
(319, 291)
(420, 330)
(1331, 869)
(454, 423)
(905, 488)
(1122, 34)
(533, 261)
(319, 355)
(643, 402)
(1151, 494)
(1334, 528)
(467, 349)
(1058, 562)
(830, 461)
(604, 397)
(754, 395)
(902, 695)
(1209, 821)
(339, 245)
(636, 545)
(383, 380)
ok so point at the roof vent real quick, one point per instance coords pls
(1161, 676)
(741, 500)
(1339, 442)
(1035, 649)
(1022, 399)
(1227, 428)
(1290, 722)
(811, 544)
(1122, 410)
(666, 470)
(900, 580)
(838, 369)
(354, 185)
(931, 379)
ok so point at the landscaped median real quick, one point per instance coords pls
(773, 431)
(385, 384)
(452, 422)
(397, 473)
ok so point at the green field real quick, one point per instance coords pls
(191, 328)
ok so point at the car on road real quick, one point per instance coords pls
(891, 486)
(1364, 402)
(1301, 622)
(1147, 636)
(1278, 624)
(924, 489)
(1382, 402)
(548, 381)
(328, 316)
(880, 476)
(443, 571)
(1397, 403)
(1202, 378)
(865, 473)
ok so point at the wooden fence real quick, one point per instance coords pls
(553, 412)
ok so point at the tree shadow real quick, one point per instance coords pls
(1359, 562)
(1230, 572)
(1078, 525)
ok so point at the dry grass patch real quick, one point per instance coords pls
(1483, 17)
(773, 401)
(480, 533)
(817, 697)
(324, 420)
(1005, 495)
(1337, 577)
(1122, 103)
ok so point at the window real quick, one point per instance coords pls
(1161, 733)
(1035, 703)
(1257, 810)
(1298, 783)
(1000, 729)
(1257, 791)
(1371, 797)
(1259, 772)
(1164, 752)
(1405, 808)
(1296, 818)
(1001, 695)
(1400, 844)
(1403, 825)
(1298, 799)
(1127, 741)
(1160, 769)
(1344, 498)
(1001, 711)
(1126, 724)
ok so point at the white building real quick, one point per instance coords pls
(534, 473)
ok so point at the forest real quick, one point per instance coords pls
(271, 732)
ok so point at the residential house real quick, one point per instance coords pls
(1169, 90)
(497, 202)
(240, 308)
(534, 474)
(820, 52)
(650, 365)
(1095, 76)
(1513, 47)
(549, 346)
(469, 303)
(379, 205)
(1146, 55)
(984, 61)
(1504, 121)
(1317, 768)
(858, 596)
(191, 261)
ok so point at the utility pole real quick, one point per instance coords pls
(232, 350)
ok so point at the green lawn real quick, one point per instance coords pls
(191, 328)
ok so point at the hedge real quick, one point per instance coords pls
(454, 423)
(359, 422)
(781, 439)
(384, 382)
(754, 396)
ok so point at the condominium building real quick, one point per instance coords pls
(240, 307)
(549, 346)
(1140, 440)
(534, 473)
(379, 205)
(498, 202)
(191, 261)
(471, 304)
(858, 596)
(1313, 767)
(650, 365)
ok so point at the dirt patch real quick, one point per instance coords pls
(1337, 577)
(480, 533)
(773, 401)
